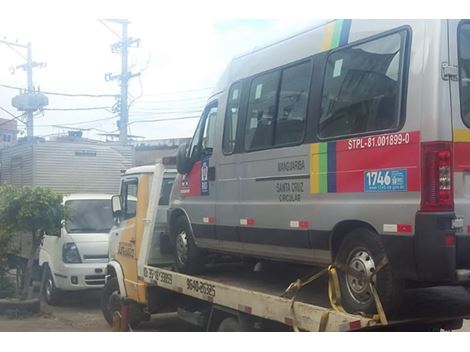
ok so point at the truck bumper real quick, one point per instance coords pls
(75, 277)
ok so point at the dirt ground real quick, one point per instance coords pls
(80, 311)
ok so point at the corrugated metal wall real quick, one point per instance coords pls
(67, 167)
(17, 165)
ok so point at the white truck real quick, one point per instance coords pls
(76, 258)
(230, 295)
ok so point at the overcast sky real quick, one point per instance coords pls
(180, 60)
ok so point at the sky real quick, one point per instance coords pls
(179, 61)
(184, 47)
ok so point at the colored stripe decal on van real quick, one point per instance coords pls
(323, 167)
(332, 167)
(461, 135)
(337, 34)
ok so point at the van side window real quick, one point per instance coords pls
(261, 111)
(129, 198)
(231, 119)
(293, 98)
(361, 88)
(209, 129)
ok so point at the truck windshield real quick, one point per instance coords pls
(464, 65)
(89, 215)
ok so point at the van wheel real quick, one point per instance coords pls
(362, 250)
(52, 294)
(189, 259)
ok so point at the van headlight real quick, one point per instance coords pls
(70, 253)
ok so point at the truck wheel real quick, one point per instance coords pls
(362, 250)
(111, 303)
(229, 324)
(110, 300)
(51, 293)
(188, 258)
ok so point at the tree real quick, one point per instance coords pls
(34, 211)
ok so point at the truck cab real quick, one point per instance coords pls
(139, 234)
(76, 258)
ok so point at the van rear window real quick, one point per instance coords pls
(361, 88)
(464, 65)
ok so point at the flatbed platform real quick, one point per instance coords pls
(258, 292)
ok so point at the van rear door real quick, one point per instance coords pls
(457, 73)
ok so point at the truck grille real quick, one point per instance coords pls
(94, 280)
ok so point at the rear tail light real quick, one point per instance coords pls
(436, 177)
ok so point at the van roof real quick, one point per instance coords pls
(144, 169)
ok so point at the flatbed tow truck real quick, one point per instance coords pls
(234, 296)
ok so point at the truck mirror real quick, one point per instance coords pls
(116, 205)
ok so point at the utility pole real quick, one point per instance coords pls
(30, 101)
(122, 48)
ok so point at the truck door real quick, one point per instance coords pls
(127, 249)
(457, 73)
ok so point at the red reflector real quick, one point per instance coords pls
(211, 219)
(303, 224)
(354, 325)
(468, 228)
(404, 228)
(250, 221)
(449, 240)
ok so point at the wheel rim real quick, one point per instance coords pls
(49, 289)
(361, 261)
(182, 246)
(114, 303)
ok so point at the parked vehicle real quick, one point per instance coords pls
(140, 213)
(348, 144)
(76, 258)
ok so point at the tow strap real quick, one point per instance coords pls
(334, 293)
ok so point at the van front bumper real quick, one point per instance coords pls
(85, 276)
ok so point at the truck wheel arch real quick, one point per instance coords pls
(113, 269)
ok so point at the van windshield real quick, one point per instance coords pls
(464, 65)
(89, 215)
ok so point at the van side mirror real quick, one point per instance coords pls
(116, 206)
(183, 163)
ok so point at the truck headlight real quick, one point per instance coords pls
(70, 253)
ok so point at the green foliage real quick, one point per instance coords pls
(35, 210)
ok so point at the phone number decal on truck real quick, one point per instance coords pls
(158, 276)
(200, 287)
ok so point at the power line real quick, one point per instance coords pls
(168, 119)
(79, 109)
(66, 94)
(85, 122)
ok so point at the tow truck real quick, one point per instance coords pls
(233, 295)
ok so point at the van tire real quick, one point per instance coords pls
(362, 249)
(52, 294)
(188, 258)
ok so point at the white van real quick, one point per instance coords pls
(77, 258)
